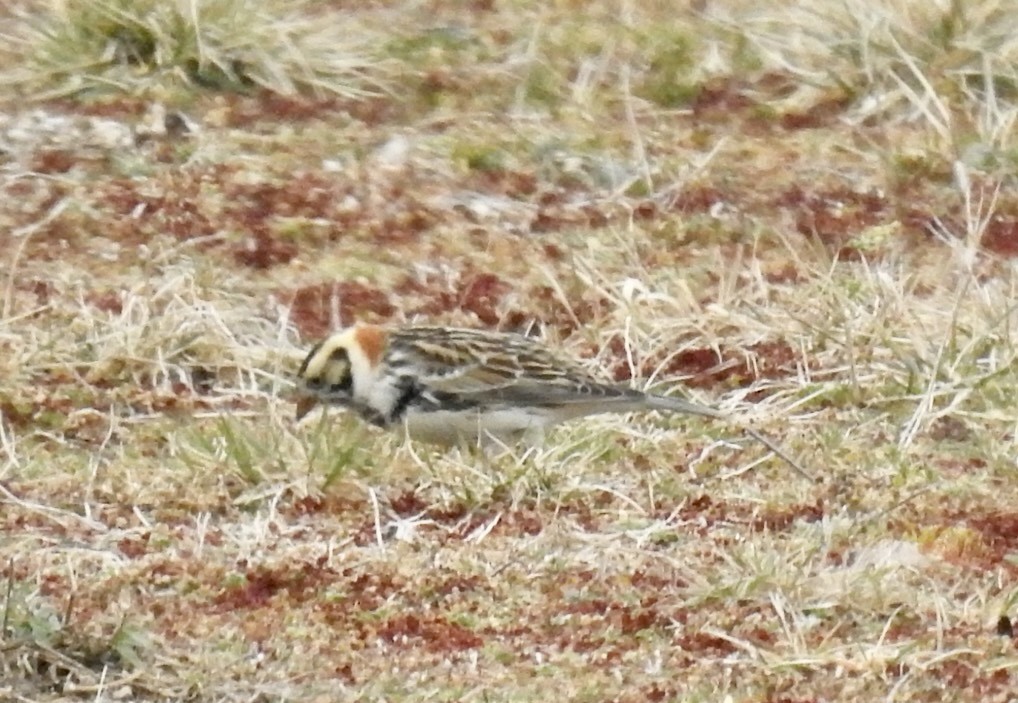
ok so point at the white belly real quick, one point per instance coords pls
(450, 427)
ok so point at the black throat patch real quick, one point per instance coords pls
(409, 392)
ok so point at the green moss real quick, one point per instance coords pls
(479, 157)
(639, 188)
(234, 580)
(951, 25)
(915, 167)
(745, 57)
(435, 45)
(670, 92)
(543, 86)
(666, 81)
(764, 112)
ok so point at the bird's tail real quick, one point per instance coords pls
(680, 405)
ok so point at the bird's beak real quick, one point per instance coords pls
(305, 404)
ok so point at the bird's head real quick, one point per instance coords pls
(337, 366)
(326, 376)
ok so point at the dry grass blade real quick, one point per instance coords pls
(778, 451)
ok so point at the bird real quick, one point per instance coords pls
(447, 385)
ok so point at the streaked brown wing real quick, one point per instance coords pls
(463, 361)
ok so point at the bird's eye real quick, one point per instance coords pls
(344, 385)
(340, 378)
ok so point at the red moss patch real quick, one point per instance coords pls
(481, 295)
(626, 618)
(721, 98)
(697, 199)
(1001, 236)
(312, 308)
(53, 161)
(364, 591)
(776, 520)
(42, 290)
(245, 111)
(109, 301)
(514, 184)
(408, 504)
(477, 292)
(262, 250)
(309, 194)
(960, 675)
(786, 273)
(261, 584)
(112, 107)
(17, 415)
(556, 212)
(821, 114)
(435, 633)
(457, 584)
(581, 308)
(172, 205)
(835, 216)
(135, 547)
(523, 521)
(999, 531)
(952, 429)
(703, 512)
(702, 643)
(702, 368)
(656, 693)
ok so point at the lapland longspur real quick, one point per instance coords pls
(447, 385)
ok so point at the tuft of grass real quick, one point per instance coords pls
(335, 449)
(84, 48)
(41, 637)
(895, 60)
